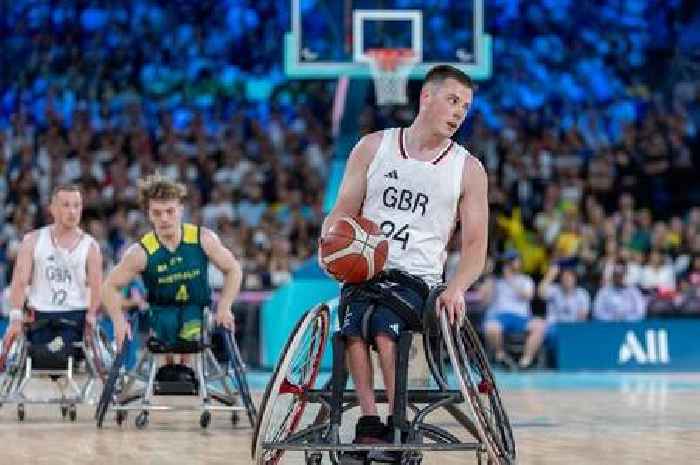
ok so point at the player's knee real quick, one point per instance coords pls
(384, 342)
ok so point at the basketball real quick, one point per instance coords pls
(354, 250)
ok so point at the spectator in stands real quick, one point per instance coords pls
(619, 301)
(566, 301)
(509, 311)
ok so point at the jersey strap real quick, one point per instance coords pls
(150, 242)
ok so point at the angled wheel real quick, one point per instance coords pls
(476, 381)
(237, 373)
(13, 356)
(102, 350)
(110, 385)
(284, 400)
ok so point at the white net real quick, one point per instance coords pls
(390, 70)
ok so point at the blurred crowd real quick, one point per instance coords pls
(259, 185)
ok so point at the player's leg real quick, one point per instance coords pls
(386, 348)
(361, 371)
(369, 428)
(385, 328)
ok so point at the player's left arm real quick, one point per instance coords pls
(474, 219)
(224, 260)
(93, 268)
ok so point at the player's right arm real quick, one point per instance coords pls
(354, 185)
(132, 263)
(21, 276)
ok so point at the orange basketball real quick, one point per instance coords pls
(354, 250)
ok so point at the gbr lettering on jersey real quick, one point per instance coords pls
(414, 203)
(59, 281)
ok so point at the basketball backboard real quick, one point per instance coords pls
(330, 38)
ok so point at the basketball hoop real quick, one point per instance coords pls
(390, 70)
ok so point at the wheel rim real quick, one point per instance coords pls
(295, 374)
(478, 386)
(471, 350)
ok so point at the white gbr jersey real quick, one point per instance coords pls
(415, 204)
(59, 281)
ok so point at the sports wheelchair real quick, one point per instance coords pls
(22, 361)
(454, 355)
(218, 376)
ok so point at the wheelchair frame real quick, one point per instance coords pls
(446, 347)
(19, 372)
(123, 393)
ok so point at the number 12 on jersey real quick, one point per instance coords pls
(401, 235)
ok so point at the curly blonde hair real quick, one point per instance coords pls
(158, 187)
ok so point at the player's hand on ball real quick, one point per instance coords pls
(225, 318)
(451, 301)
(319, 256)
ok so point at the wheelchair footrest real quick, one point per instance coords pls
(175, 388)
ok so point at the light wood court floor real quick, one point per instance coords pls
(557, 419)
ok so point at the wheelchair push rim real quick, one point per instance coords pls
(296, 373)
(103, 351)
(478, 386)
(12, 356)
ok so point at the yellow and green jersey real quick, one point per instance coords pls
(178, 278)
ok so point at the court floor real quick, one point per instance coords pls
(557, 419)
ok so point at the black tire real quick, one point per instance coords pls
(240, 377)
(205, 419)
(121, 417)
(110, 385)
(141, 419)
(317, 321)
(72, 413)
(20, 412)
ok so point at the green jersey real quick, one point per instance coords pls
(178, 278)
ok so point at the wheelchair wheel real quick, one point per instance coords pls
(238, 375)
(284, 400)
(103, 351)
(110, 385)
(13, 355)
(478, 386)
(120, 417)
(20, 412)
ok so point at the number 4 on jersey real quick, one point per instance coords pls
(402, 235)
(182, 295)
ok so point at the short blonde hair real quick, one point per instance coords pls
(158, 187)
(65, 188)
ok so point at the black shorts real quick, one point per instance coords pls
(383, 320)
(68, 325)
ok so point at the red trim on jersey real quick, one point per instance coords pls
(401, 147)
(443, 154)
